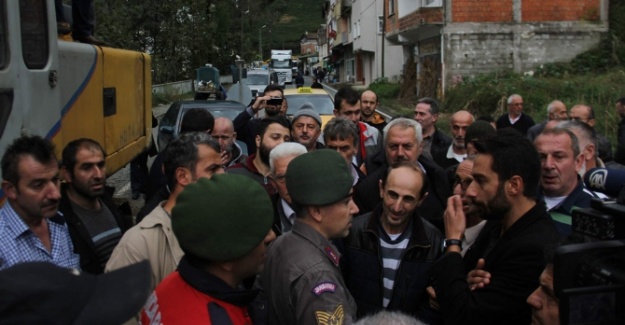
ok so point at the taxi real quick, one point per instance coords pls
(319, 98)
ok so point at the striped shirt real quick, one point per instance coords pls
(392, 249)
(18, 244)
(102, 227)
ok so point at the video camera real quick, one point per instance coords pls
(589, 276)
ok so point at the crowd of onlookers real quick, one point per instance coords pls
(364, 219)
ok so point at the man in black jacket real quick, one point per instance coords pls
(504, 187)
(402, 142)
(94, 222)
(395, 234)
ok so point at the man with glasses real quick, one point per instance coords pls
(515, 117)
(279, 159)
(586, 114)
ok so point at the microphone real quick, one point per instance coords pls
(605, 180)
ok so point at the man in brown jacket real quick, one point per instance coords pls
(186, 159)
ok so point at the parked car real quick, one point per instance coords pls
(258, 79)
(169, 126)
(319, 98)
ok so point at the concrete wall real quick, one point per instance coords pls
(182, 87)
(474, 48)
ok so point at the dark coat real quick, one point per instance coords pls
(367, 191)
(83, 245)
(619, 156)
(440, 142)
(522, 125)
(247, 128)
(515, 261)
(361, 265)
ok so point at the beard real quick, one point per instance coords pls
(263, 151)
(495, 208)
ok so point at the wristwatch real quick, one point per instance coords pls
(451, 242)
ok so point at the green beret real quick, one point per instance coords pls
(222, 218)
(320, 177)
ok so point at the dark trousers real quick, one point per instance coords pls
(83, 14)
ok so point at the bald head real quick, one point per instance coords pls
(223, 131)
(460, 121)
(583, 113)
(556, 110)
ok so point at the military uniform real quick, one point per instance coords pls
(303, 281)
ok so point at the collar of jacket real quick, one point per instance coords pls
(418, 238)
(213, 286)
(567, 205)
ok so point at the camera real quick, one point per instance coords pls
(276, 101)
(589, 275)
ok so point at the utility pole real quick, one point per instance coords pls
(260, 42)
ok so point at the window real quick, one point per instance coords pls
(34, 22)
(391, 7)
(380, 24)
(432, 3)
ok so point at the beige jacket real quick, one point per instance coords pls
(153, 240)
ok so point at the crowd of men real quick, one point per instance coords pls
(322, 224)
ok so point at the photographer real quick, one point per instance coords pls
(246, 126)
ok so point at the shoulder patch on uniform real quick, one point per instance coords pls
(324, 287)
(335, 317)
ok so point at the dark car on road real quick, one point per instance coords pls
(169, 126)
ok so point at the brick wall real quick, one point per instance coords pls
(560, 10)
(422, 16)
(482, 11)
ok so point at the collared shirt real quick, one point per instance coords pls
(355, 175)
(288, 212)
(18, 244)
(452, 155)
(470, 235)
(512, 119)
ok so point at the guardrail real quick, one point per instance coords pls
(183, 87)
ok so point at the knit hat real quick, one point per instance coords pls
(44, 293)
(320, 177)
(479, 130)
(307, 109)
(222, 218)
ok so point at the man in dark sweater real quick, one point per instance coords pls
(515, 117)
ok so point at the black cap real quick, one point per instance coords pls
(40, 292)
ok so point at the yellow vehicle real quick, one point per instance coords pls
(319, 98)
(64, 90)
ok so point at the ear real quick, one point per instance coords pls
(234, 136)
(315, 213)
(514, 186)
(579, 161)
(589, 152)
(381, 188)
(257, 140)
(9, 189)
(434, 118)
(65, 174)
(592, 123)
(183, 176)
(336, 113)
(422, 198)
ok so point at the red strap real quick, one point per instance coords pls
(362, 128)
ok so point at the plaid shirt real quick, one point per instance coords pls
(18, 244)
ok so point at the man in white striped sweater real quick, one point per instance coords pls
(389, 251)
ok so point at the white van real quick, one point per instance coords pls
(258, 79)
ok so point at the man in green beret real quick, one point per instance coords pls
(302, 279)
(222, 246)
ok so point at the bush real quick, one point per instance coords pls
(385, 89)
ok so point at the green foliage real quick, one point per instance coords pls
(487, 95)
(182, 35)
(385, 89)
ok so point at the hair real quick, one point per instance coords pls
(586, 132)
(434, 107)
(513, 154)
(42, 150)
(410, 165)
(197, 120)
(512, 97)
(273, 87)
(559, 130)
(183, 152)
(550, 105)
(283, 150)
(68, 157)
(389, 317)
(621, 100)
(267, 121)
(486, 118)
(347, 94)
(404, 123)
(341, 128)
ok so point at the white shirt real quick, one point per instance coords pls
(452, 155)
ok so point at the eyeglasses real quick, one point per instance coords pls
(278, 178)
(464, 184)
